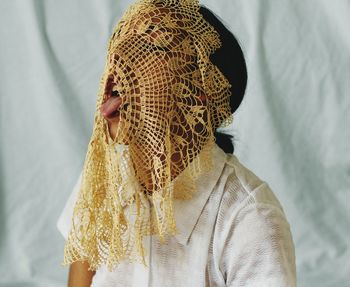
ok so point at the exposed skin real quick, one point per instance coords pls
(79, 275)
(113, 123)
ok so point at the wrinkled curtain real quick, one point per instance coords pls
(292, 128)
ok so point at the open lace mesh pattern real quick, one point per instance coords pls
(173, 99)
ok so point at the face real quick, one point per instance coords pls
(159, 97)
(163, 109)
(154, 76)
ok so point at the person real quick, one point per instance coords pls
(207, 220)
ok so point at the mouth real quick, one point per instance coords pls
(111, 105)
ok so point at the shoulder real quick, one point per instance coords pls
(248, 200)
(252, 232)
(244, 188)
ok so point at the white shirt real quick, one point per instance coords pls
(233, 232)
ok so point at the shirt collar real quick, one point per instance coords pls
(187, 212)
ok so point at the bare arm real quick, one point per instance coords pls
(79, 275)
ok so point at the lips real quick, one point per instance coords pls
(110, 109)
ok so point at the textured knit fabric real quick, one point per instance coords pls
(232, 233)
(169, 98)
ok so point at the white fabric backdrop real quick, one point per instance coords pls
(292, 128)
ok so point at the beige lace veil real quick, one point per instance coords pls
(173, 99)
